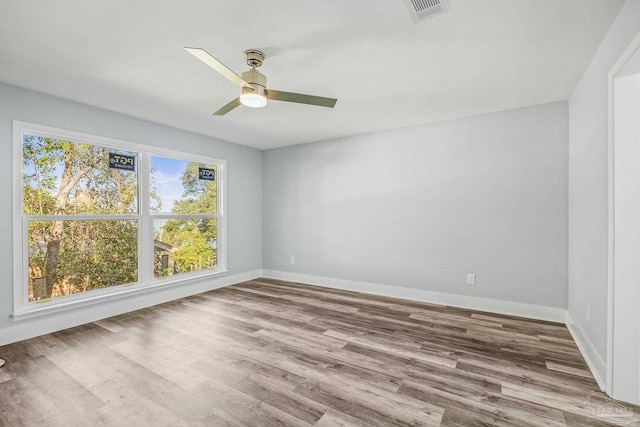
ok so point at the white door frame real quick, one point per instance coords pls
(626, 55)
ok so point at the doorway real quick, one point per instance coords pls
(623, 359)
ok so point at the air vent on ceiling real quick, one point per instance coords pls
(425, 9)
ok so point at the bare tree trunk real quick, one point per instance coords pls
(51, 262)
(68, 181)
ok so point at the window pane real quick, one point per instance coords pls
(69, 257)
(183, 245)
(62, 178)
(182, 187)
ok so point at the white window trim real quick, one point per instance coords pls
(23, 309)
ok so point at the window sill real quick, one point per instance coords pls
(31, 310)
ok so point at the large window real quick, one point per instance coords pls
(98, 217)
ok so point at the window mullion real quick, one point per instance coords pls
(222, 216)
(81, 217)
(145, 231)
(24, 256)
(183, 216)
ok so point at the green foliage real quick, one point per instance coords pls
(193, 247)
(193, 239)
(156, 202)
(199, 196)
(98, 254)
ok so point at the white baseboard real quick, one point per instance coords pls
(588, 350)
(34, 327)
(539, 312)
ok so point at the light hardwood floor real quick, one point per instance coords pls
(270, 353)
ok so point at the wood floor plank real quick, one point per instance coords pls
(301, 301)
(390, 409)
(566, 368)
(584, 407)
(334, 418)
(484, 412)
(285, 379)
(543, 379)
(393, 349)
(263, 389)
(273, 353)
(41, 393)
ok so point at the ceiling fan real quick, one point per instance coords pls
(254, 84)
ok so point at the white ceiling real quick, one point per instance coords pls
(386, 71)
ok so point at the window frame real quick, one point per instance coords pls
(23, 308)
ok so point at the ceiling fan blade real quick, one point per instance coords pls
(212, 62)
(230, 106)
(300, 98)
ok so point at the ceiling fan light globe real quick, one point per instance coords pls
(253, 100)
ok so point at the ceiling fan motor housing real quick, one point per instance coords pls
(257, 80)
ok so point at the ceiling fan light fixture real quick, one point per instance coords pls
(253, 100)
(254, 84)
(254, 96)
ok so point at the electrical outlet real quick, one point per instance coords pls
(588, 312)
(293, 260)
(471, 279)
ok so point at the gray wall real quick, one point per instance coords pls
(588, 181)
(244, 175)
(421, 207)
